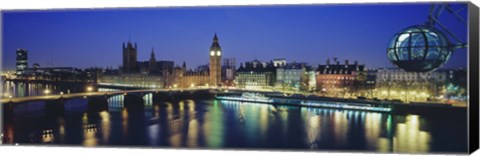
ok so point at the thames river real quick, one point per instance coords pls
(192, 123)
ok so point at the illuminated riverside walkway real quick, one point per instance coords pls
(98, 100)
(49, 81)
(94, 94)
(137, 92)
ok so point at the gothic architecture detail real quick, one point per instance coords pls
(153, 62)
(162, 74)
(215, 64)
(129, 57)
(207, 75)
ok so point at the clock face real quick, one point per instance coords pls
(212, 53)
(219, 53)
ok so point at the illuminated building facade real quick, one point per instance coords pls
(65, 74)
(156, 68)
(311, 80)
(203, 76)
(293, 76)
(195, 79)
(22, 60)
(367, 89)
(338, 79)
(190, 78)
(256, 75)
(141, 74)
(163, 74)
(395, 83)
(138, 80)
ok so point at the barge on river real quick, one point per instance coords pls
(260, 98)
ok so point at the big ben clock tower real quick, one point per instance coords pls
(215, 67)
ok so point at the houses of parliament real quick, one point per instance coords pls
(163, 74)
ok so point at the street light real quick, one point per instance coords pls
(47, 91)
(89, 88)
(384, 92)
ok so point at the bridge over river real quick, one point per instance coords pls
(97, 101)
(100, 94)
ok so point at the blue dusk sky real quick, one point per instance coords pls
(301, 33)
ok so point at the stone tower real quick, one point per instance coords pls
(153, 62)
(215, 65)
(129, 57)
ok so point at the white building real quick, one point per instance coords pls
(279, 62)
(295, 76)
(395, 74)
(394, 83)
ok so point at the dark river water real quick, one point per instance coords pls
(194, 123)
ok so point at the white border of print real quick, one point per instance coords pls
(50, 4)
(79, 151)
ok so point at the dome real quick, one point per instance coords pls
(419, 49)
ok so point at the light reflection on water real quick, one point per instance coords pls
(216, 124)
(89, 132)
(21, 89)
(105, 126)
(410, 138)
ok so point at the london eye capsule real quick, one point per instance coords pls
(419, 49)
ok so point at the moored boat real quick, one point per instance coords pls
(260, 98)
(248, 97)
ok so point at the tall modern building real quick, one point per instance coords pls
(215, 64)
(129, 57)
(22, 60)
